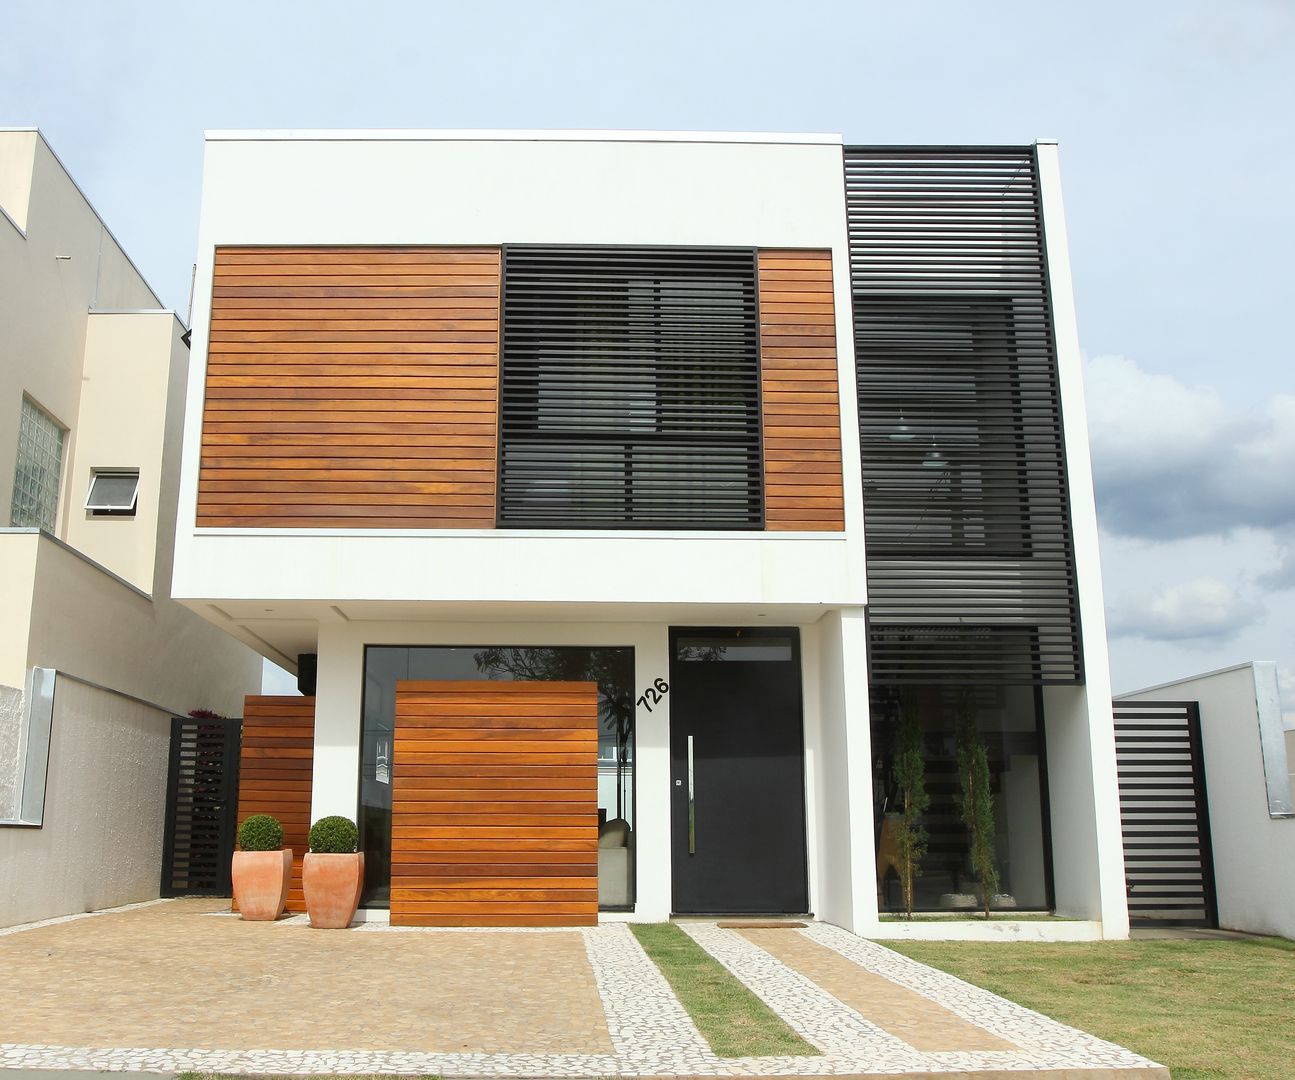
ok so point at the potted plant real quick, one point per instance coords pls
(333, 873)
(262, 869)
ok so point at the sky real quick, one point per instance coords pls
(1178, 167)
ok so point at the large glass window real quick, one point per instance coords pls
(38, 469)
(611, 668)
(1006, 720)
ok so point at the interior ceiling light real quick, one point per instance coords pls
(933, 459)
(902, 432)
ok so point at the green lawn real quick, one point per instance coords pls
(1207, 1009)
(733, 1020)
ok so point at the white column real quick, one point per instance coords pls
(1088, 851)
(844, 848)
(338, 700)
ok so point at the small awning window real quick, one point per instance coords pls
(113, 491)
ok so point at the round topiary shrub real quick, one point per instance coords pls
(333, 836)
(260, 832)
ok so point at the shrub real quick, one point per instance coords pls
(333, 836)
(260, 832)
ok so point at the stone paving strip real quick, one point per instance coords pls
(906, 1014)
(159, 989)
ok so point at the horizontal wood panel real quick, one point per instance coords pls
(326, 365)
(495, 804)
(801, 414)
(276, 764)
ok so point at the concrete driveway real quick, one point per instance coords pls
(181, 984)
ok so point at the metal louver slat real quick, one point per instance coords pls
(1168, 865)
(966, 508)
(630, 392)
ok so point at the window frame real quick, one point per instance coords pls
(115, 509)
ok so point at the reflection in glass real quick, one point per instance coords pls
(1007, 719)
(611, 668)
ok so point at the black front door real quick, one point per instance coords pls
(737, 771)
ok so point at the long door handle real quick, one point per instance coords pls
(692, 804)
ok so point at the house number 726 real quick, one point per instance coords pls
(654, 694)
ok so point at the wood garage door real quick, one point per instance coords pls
(495, 804)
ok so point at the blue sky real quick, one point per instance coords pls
(1174, 119)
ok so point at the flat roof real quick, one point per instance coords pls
(518, 135)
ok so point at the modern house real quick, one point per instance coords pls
(95, 658)
(625, 498)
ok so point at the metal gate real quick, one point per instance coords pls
(201, 806)
(1168, 862)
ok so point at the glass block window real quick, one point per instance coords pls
(39, 467)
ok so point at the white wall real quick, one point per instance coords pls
(101, 841)
(429, 189)
(1254, 852)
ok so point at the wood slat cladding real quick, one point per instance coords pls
(275, 767)
(803, 487)
(351, 388)
(495, 804)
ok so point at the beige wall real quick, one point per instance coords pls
(86, 623)
(101, 841)
(17, 583)
(44, 299)
(17, 154)
(122, 424)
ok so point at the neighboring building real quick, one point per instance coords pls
(756, 442)
(94, 656)
(1243, 797)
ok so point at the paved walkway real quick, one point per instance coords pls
(181, 985)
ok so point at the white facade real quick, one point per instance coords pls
(94, 655)
(335, 591)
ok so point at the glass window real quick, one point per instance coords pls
(113, 491)
(611, 668)
(38, 468)
(1006, 720)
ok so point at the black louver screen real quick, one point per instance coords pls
(630, 393)
(966, 510)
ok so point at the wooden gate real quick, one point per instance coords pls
(495, 804)
(198, 837)
(1168, 862)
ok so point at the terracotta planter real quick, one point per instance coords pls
(261, 880)
(332, 884)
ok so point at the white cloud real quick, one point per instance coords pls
(1204, 609)
(1172, 460)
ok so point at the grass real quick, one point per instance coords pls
(733, 1020)
(1208, 1009)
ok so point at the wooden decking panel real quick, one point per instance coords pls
(275, 770)
(803, 485)
(351, 388)
(495, 804)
